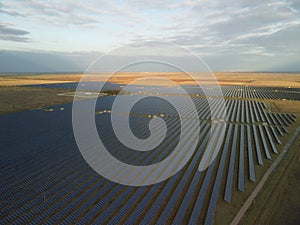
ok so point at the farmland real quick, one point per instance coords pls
(45, 179)
(224, 78)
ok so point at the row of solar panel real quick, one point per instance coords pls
(228, 91)
(57, 186)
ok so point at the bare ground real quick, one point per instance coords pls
(14, 99)
(223, 78)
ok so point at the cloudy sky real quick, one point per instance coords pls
(233, 35)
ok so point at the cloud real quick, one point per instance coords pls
(213, 29)
(59, 13)
(269, 30)
(231, 27)
(13, 34)
(9, 11)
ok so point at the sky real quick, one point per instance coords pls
(67, 36)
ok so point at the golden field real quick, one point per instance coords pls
(223, 78)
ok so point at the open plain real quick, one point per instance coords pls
(224, 78)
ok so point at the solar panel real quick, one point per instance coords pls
(241, 160)
(228, 189)
(265, 146)
(257, 146)
(250, 155)
(215, 193)
(270, 140)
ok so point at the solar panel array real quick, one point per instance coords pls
(250, 92)
(45, 179)
(245, 92)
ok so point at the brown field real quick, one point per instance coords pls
(286, 106)
(14, 99)
(223, 78)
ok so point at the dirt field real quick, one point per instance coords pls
(14, 99)
(286, 106)
(249, 79)
(288, 196)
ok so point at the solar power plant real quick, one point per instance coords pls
(45, 180)
(245, 92)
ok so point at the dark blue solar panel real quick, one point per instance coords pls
(270, 140)
(250, 154)
(201, 195)
(228, 189)
(215, 193)
(241, 159)
(196, 158)
(257, 146)
(265, 146)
